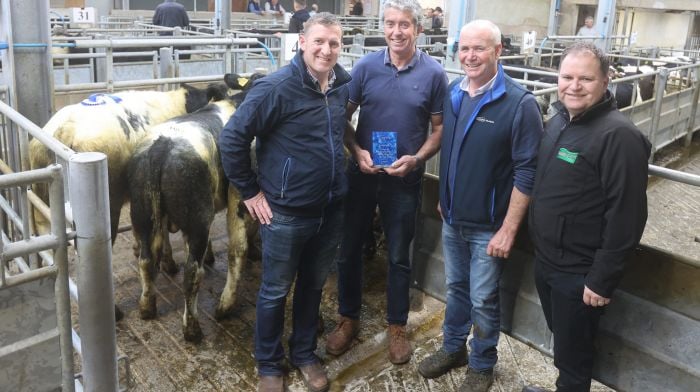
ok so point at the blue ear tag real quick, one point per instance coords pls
(383, 148)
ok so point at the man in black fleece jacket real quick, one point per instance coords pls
(588, 209)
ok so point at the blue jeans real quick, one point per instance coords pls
(398, 200)
(301, 248)
(472, 294)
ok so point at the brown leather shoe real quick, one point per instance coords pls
(340, 339)
(271, 383)
(399, 347)
(314, 376)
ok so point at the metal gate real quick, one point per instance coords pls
(37, 342)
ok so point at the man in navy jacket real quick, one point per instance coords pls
(297, 116)
(491, 132)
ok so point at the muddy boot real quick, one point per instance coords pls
(442, 362)
(315, 377)
(399, 347)
(271, 383)
(340, 339)
(476, 381)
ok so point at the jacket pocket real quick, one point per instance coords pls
(561, 224)
(549, 228)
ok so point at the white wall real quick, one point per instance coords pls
(516, 17)
(660, 29)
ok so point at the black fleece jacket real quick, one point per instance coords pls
(589, 206)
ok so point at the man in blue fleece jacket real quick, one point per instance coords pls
(492, 128)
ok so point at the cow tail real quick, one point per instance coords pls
(145, 174)
(157, 158)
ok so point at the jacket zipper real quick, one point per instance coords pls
(493, 204)
(330, 142)
(285, 176)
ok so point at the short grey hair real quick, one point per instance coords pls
(583, 47)
(410, 6)
(324, 19)
(485, 24)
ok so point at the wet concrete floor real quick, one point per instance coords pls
(160, 359)
(674, 208)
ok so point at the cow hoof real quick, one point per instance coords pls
(169, 267)
(222, 314)
(193, 334)
(148, 309)
(209, 258)
(118, 314)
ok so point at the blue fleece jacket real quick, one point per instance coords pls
(496, 147)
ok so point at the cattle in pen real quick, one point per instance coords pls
(113, 124)
(176, 183)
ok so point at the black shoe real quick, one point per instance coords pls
(533, 388)
(442, 362)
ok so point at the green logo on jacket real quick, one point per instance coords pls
(567, 156)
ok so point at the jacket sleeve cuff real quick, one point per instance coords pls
(249, 191)
(606, 272)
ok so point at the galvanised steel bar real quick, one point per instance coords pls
(61, 150)
(89, 193)
(63, 308)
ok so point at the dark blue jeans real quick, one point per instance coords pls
(301, 248)
(398, 200)
(573, 324)
(472, 279)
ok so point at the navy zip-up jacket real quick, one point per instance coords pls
(589, 206)
(496, 149)
(299, 141)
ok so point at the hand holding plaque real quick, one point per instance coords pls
(383, 148)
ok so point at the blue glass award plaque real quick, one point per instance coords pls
(383, 148)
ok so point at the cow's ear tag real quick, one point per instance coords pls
(242, 82)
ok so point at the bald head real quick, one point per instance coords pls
(483, 25)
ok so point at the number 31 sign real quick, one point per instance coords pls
(83, 15)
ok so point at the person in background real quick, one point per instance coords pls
(357, 8)
(314, 9)
(490, 138)
(587, 29)
(400, 90)
(297, 117)
(274, 7)
(169, 13)
(437, 19)
(254, 7)
(588, 209)
(301, 15)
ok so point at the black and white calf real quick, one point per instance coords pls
(113, 124)
(177, 183)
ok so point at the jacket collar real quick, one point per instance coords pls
(341, 75)
(605, 104)
(496, 91)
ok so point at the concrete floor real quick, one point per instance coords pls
(160, 360)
